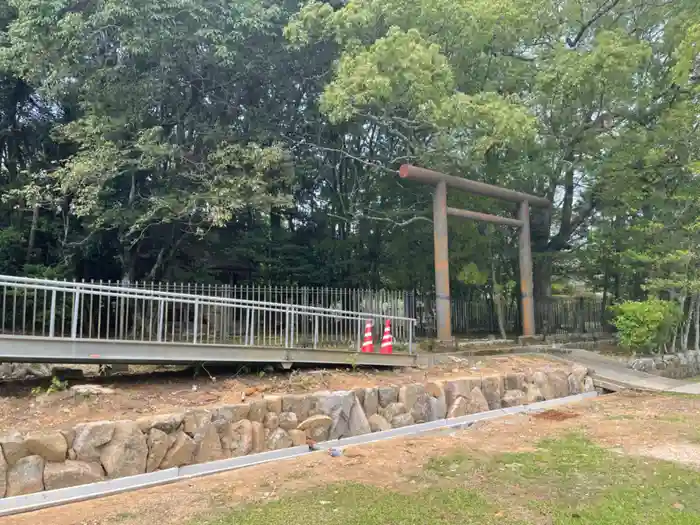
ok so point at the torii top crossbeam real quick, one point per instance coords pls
(471, 186)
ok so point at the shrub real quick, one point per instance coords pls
(646, 326)
(56, 386)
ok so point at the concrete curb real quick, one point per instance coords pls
(52, 498)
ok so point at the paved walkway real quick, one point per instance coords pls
(608, 373)
(613, 375)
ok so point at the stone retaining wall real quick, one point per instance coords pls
(91, 452)
(677, 366)
(578, 337)
(587, 345)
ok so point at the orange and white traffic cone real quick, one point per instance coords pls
(387, 341)
(367, 343)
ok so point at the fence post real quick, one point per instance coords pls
(195, 330)
(293, 319)
(161, 313)
(247, 326)
(76, 312)
(315, 331)
(286, 328)
(304, 322)
(52, 320)
(252, 326)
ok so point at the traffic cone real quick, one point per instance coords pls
(367, 344)
(387, 341)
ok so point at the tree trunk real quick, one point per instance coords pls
(129, 249)
(157, 265)
(271, 269)
(32, 235)
(604, 306)
(689, 319)
(540, 225)
(542, 276)
(497, 300)
(697, 323)
(128, 266)
(676, 330)
(164, 257)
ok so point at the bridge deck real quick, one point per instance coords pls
(40, 349)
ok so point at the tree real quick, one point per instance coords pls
(165, 146)
(534, 95)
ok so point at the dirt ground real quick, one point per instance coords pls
(665, 427)
(148, 391)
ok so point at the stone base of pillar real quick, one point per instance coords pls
(529, 340)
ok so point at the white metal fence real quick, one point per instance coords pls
(200, 314)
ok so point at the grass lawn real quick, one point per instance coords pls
(564, 481)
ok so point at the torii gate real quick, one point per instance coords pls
(440, 213)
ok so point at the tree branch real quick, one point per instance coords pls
(344, 153)
(398, 224)
(600, 13)
(560, 240)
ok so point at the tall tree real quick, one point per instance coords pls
(166, 141)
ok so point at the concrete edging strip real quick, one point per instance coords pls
(52, 498)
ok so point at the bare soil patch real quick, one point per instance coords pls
(555, 415)
(685, 453)
(629, 423)
(148, 391)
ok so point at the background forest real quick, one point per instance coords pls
(257, 141)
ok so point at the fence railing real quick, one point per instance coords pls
(478, 315)
(193, 314)
(470, 315)
(107, 311)
(579, 315)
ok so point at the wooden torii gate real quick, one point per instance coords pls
(440, 213)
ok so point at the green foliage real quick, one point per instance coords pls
(401, 71)
(610, 63)
(57, 271)
(687, 53)
(11, 241)
(646, 326)
(563, 288)
(131, 171)
(56, 386)
(471, 275)
(352, 361)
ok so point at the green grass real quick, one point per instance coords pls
(621, 417)
(672, 418)
(564, 482)
(353, 504)
(123, 516)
